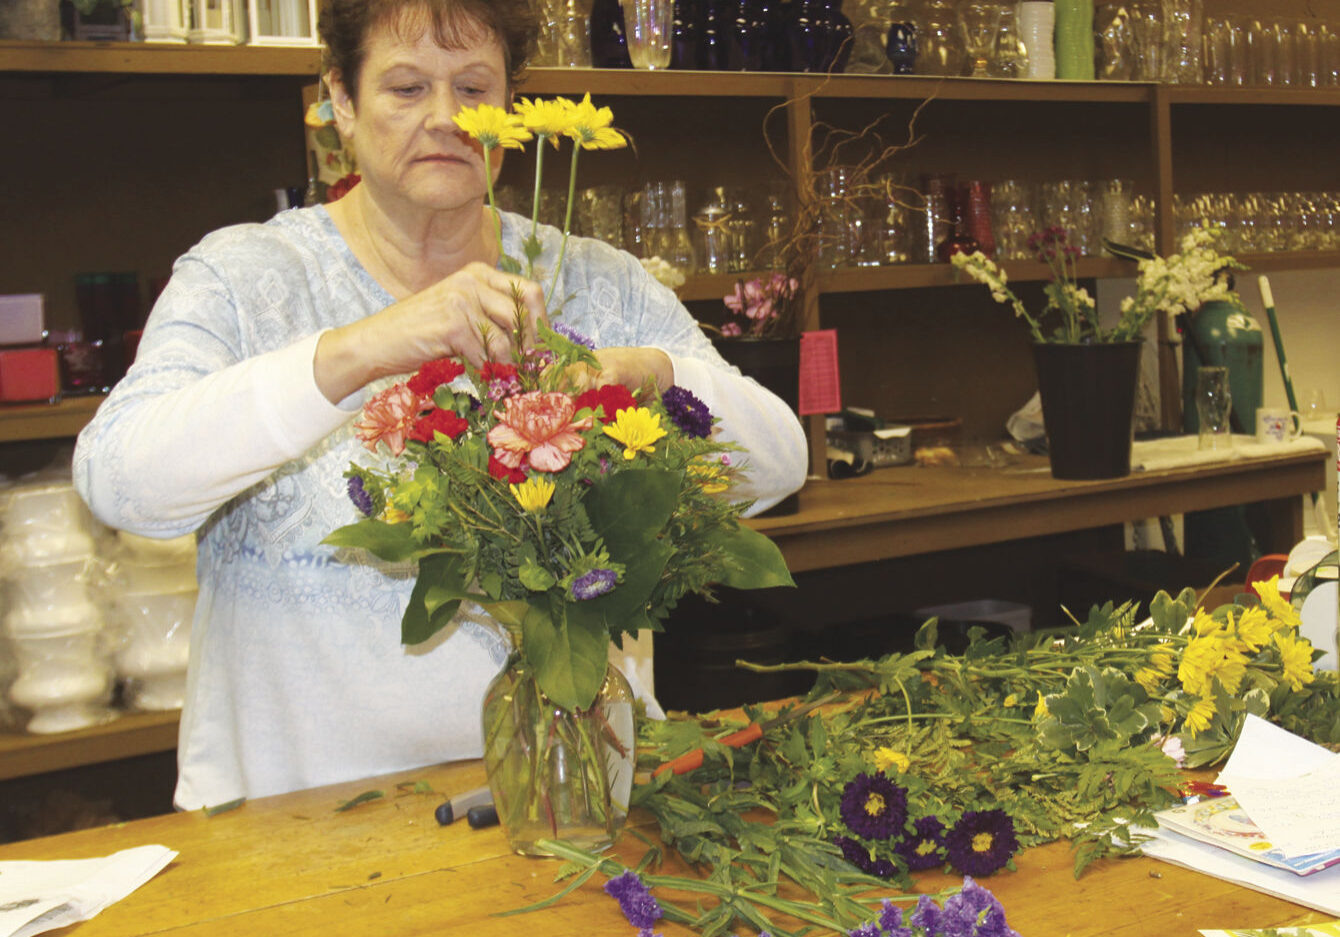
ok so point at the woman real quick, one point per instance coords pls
(236, 418)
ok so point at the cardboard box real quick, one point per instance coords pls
(22, 319)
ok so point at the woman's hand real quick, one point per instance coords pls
(632, 367)
(471, 314)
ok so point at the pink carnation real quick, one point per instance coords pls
(537, 428)
(389, 417)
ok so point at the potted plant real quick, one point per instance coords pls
(1087, 373)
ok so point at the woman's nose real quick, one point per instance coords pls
(442, 108)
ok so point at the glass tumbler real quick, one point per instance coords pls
(1214, 405)
(649, 26)
(978, 23)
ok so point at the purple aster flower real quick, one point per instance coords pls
(928, 916)
(596, 582)
(869, 929)
(923, 847)
(873, 806)
(572, 335)
(981, 842)
(637, 904)
(687, 412)
(891, 920)
(359, 496)
(853, 852)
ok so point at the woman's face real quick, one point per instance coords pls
(408, 147)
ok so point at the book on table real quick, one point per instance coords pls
(1221, 822)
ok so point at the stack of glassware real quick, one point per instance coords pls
(63, 674)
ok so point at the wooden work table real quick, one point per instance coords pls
(906, 510)
(291, 865)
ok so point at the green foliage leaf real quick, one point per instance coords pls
(568, 654)
(630, 509)
(436, 596)
(536, 578)
(394, 543)
(752, 561)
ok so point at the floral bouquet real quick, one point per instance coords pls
(572, 516)
(1178, 283)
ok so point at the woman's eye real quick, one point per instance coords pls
(406, 91)
(470, 91)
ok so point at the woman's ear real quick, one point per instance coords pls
(342, 104)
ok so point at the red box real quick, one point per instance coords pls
(29, 375)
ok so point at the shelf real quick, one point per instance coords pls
(47, 421)
(127, 736)
(143, 58)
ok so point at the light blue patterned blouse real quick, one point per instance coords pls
(297, 674)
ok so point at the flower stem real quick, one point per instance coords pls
(567, 223)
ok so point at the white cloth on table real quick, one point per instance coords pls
(1152, 455)
(297, 674)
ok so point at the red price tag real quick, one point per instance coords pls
(820, 384)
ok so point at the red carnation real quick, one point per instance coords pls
(513, 476)
(613, 397)
(497, 371)
(434, 374)
(446, 422)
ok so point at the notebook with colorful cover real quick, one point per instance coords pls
(1221, 822)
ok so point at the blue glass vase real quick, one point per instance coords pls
(901, 48)
(609, 48)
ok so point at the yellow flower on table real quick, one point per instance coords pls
(1214, 656)
(886, 758)
(1296, 659)
(1284, 614)
(1198, 719)
(1254, 628)
(637, 428)
(493, 126)
(534, 493)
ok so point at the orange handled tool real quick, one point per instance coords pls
(693, 758)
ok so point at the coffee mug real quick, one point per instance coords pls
(1277, 424)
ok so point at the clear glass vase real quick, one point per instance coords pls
(557, 773)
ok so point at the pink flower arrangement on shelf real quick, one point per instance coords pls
(764, 303)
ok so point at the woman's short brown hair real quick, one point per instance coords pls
(345, 25)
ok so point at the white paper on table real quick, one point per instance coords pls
(1320, 890)
(36, 897)
(1289, 786)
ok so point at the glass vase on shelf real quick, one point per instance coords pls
(684, 36)
(609, 45)
(557, 773)
(939, 43)
(745, 38)
(1183, 28)
(1074, 39)
(979, 22)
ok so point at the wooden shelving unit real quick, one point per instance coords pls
(73, 71)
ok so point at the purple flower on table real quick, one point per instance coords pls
(687, 412)
(868, 929)
(975, 912)
(591, 584)
(637, 904)
(928, 916)
(572, 335)
(859, 855)
(358, 494)
(981, 842)
(873, 806)
(922, 848)
(891, 920)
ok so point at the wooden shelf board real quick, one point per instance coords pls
(1289, 96)
(1289, 260)
(148, 58)
(127, 736)
(47, 421)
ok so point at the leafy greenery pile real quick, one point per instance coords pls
(1064, 731)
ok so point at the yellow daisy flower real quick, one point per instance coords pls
(591, 127)
(552, 118)
(1199, 659)
(710, 476)
(534, 493)
(1296, 660)
(393, 515)
(637, 428)
(1278, 607)
(1040, 711)
(1253, 629)
(1203, 624)
(493, 127)
(886, 758)
(1198, 720)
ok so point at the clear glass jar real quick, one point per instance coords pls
(556, 773)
